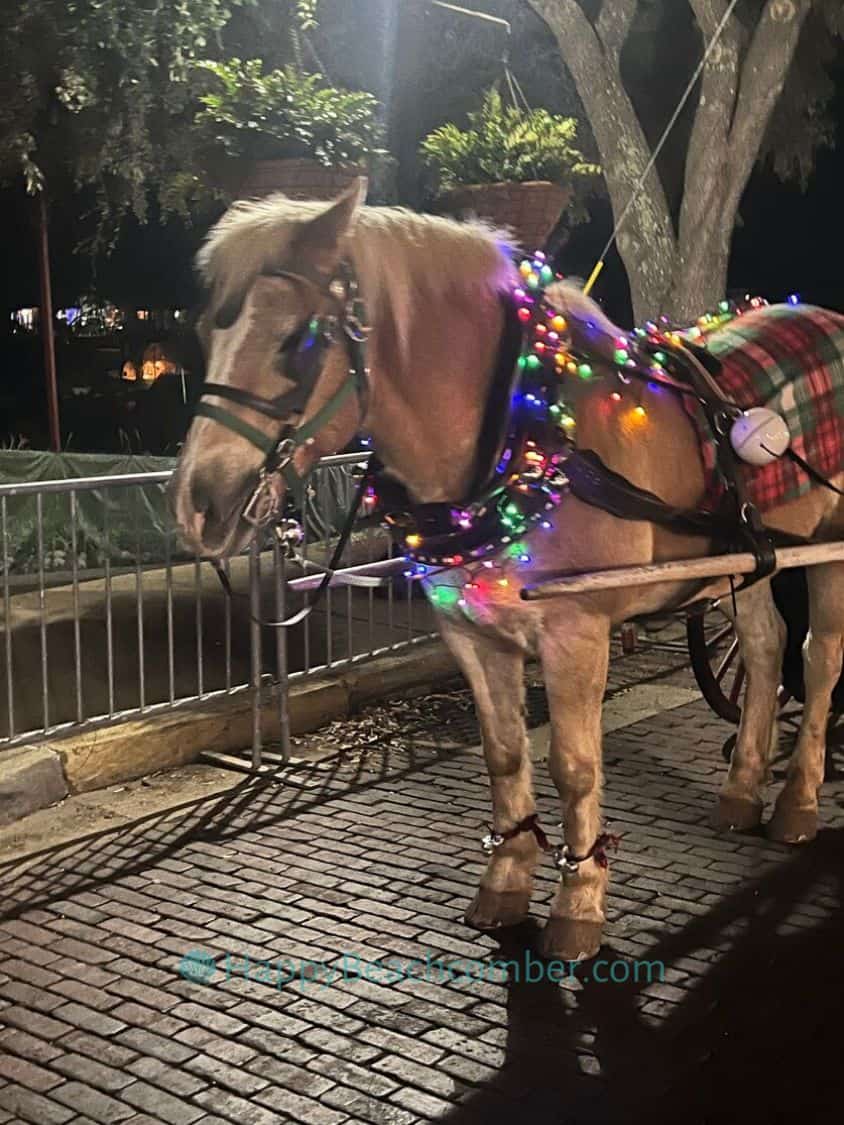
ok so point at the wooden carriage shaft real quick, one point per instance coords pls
(681, 570)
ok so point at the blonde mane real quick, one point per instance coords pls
(399, 256)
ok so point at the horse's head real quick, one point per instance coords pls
(274, 341)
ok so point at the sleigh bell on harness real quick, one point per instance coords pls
(759, 436)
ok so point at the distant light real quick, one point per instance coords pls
(794, 299)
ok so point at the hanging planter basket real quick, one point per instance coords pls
(530, 210)
(298, 179)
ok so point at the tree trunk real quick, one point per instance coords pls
(701, 283)
(592, 53)
(703, 255)
(681, 275)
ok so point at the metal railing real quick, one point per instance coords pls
(105, 617)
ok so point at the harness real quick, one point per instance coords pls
(533, 455)
(538, 461)
(305, 353)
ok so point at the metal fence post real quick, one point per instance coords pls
(255, 648)
(116, 571)
(282, 684)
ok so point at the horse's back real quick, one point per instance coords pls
(790, 359)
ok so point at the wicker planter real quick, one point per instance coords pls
(530, 210)
(299, 179)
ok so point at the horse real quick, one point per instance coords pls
(433, 294)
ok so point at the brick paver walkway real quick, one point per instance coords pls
(103, 1020)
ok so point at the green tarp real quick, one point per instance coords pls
(126, 525)
(123, 525)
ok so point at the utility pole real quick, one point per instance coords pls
(48, 336)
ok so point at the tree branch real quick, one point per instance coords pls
(709, 14)
(763, 76)
(613, 24)
(647, 243)
(707, 155)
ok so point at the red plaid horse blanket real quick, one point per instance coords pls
(791, 359)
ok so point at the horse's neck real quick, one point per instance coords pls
(646, 436)
(429, 395)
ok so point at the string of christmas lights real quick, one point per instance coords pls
(479, 543)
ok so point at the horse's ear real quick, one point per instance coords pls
(322, 237)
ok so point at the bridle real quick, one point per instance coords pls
(306, 352)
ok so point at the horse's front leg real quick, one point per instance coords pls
(574, 650)
(495, 671)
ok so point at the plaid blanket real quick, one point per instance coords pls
(791, 359)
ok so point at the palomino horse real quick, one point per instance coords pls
(432, 290)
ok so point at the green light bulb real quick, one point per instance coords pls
(584, 371)
(446, 595)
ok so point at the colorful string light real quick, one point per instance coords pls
(476, 544)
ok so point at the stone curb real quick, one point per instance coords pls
(31, 778)
(35, 776)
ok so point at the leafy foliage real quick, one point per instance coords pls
(306, 11)
(286, 113)
(802, 122)
(506, 144)
(103, 95)
(102, 89)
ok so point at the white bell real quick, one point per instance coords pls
(759, 436)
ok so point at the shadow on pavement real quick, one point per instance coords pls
(756, 1039)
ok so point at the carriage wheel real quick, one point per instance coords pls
(720, 674)
(718, 669)
(717, 666)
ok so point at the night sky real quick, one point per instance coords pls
(428, 67)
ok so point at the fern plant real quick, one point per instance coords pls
(286, 113)
(507, 145)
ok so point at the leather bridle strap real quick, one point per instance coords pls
(239, 426)
(329, 571)
(279, 451)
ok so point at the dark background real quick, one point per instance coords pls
(429, 66)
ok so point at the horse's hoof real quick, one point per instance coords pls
(490, 910)
(738, 814)
(790, 825)
(567, 939)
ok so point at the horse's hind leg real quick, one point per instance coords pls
(495, 671)
(761, 633)
(575, 657)
(795, 818)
